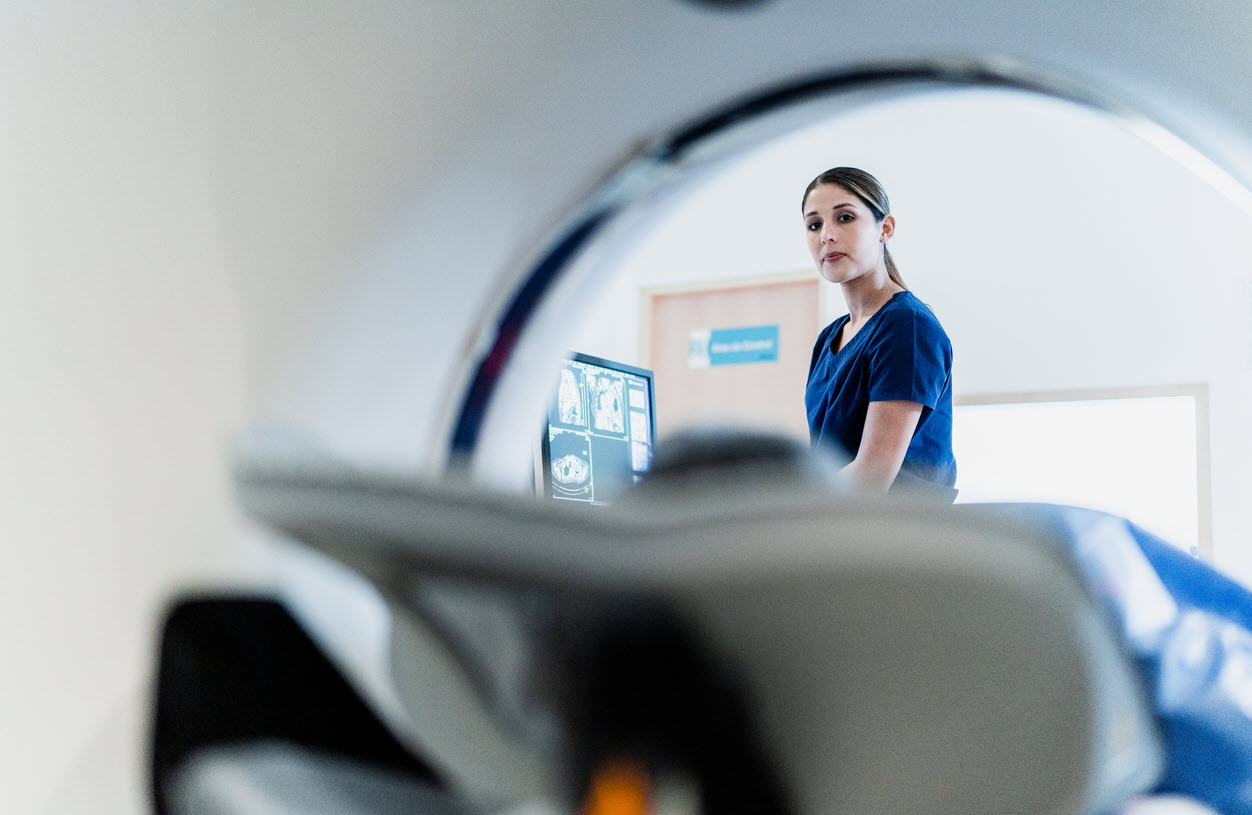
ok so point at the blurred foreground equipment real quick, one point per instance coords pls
(735, 635)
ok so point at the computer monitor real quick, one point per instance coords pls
(601, 430)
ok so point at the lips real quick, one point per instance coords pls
(831, 257)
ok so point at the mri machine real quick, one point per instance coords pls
(746, 636)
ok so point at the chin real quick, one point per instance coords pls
(835, 275)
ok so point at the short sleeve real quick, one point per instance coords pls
(911, 359)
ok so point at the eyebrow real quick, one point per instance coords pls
(836, 206)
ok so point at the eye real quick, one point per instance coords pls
(813, 226)
(846, 217)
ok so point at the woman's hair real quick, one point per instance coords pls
(866, 187)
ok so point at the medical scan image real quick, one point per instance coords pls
(639, 426)
(571, 465)
(608, 404)
(570, 408)
(600, 430)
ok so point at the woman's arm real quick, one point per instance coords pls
(889, 428)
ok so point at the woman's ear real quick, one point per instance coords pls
(888, 227)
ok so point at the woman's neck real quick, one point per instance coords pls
(868, 293)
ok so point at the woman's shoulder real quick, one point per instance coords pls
(906, 306)
(906, 311)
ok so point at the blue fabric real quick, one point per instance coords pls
(1189, 629)
(901, 353)
(1193, 582)
(1202, 680)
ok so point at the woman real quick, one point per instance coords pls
(880, 382)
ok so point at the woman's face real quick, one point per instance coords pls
(844, 239)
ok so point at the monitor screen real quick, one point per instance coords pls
(601, 430)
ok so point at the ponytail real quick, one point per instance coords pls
(892, 271)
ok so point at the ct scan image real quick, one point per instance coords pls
(570, 408)
(608, 406)
(571, 465)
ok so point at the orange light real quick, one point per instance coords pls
(619, 787)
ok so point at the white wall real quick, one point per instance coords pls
(1060, 250)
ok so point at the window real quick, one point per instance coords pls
(1138, 454)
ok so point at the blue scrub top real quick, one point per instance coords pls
(901, 353)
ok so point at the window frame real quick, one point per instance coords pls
(1199, 392)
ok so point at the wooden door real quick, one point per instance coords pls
(700, 380)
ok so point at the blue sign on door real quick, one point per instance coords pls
(733, 346)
